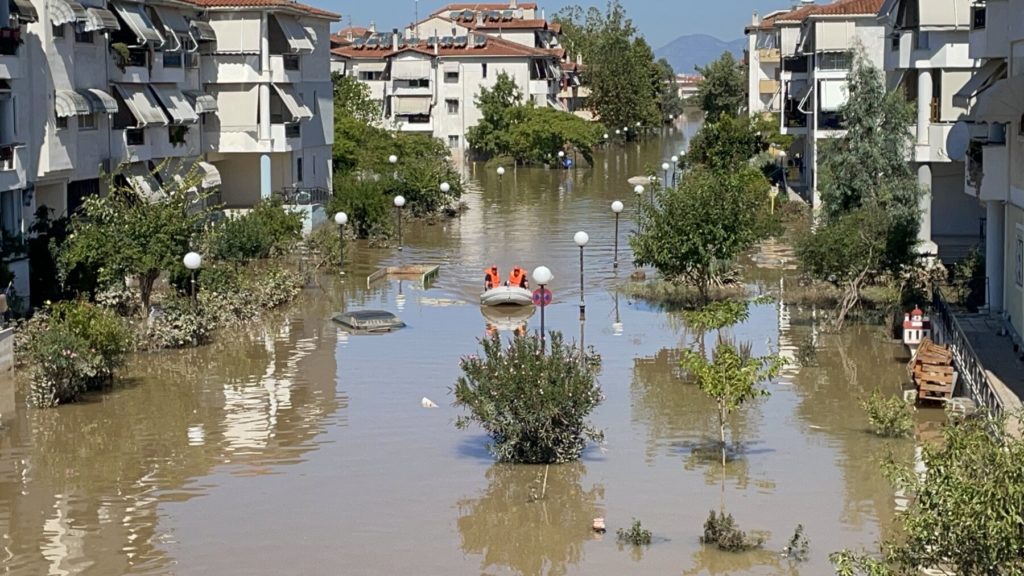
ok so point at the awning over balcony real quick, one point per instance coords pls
(24, 10)
(983, 79)
(294, 33)
(134, 15)
(834, 94)
(99, 20)
(211, 175)
(202, 31)
(141, 179)
(411, 105)
(1002, 103)
(100, 101)
(451, 67)
(66, 12)
(293, 103)
(175, 104)
(70, 103)
(174, 27)
(371, 66)
(142, 104)
(202, 102)
(418, 69)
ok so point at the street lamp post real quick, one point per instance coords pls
(616, 208)
(561, 158)
(639, 191)
(542, 276)
(341, 219)
(581, 239)
(675, 166)
(665, 166)
(399, 202)
(193, 261)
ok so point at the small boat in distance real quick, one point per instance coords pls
(514, 292)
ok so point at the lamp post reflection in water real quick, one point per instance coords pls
(639, 191)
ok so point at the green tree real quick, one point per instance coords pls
(726, 142)
(709, 218)
(669, 102)
(123, 234)
(500, 109)
(724, 88)
(965, 516)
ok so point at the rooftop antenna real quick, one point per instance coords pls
(416, 15)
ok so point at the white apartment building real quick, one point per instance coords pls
(817, 43)
(430, 85)
(764, 64)
(928, 56)
(995, 156)
(238, 89)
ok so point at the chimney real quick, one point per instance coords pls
(373, 27)
(512, 4)
(755, 20)
(394, 39)
(479, 18)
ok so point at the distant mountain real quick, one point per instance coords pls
(691, 50)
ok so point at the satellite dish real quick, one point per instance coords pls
(958, 140)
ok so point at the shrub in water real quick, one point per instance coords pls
(73, 347)
(888, 415)
(268, 230)
(722, 531)
(637, 535)
(799, 547)
(179, 323)
(533, 405)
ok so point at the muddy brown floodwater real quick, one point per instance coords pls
(292, 448)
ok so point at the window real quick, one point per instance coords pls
(135, 136)
(173, 59)
(291, 61)
(62, 123)
(298, 169)
(58, 31)
(418, 119)
(451, 77)
(453, 106)
(894, 40)
(293, 130)
(10, 211)
(82, 36)
(483, 70)
(453, 141)
(834, 61)
(419, 83)
(177, 134)
(978, 17)
(79, 190)
(87, 122)
(371, 76)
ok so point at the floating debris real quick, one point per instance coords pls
(428, 403)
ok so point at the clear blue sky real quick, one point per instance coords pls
(661, 21)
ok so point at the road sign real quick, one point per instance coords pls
(542, 297)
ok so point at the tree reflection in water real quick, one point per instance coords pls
(518, 524)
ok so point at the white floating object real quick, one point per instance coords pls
(427, 403)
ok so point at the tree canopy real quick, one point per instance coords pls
(724, 88)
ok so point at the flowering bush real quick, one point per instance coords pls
(73, 347)
(232, 296)
(178, 323)
(533, 405)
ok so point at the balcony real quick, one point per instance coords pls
(768, 86)
(130, 145)
(12, 166)
(988, 172)
(989, 41)
(285, 68)
(168, 68)
(769, 55)
(130, 66)
(231, 69)
(174, 141)
(543, 87)
(405, 124)
(935, 149)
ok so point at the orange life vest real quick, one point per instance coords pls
(517, 277)
(491, 277)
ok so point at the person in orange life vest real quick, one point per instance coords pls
(517, 278)
(491, 278)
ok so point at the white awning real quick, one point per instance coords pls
(100, 101)
(451, 67)
(172, 20)
(142, 104)
(70, 103)
(983, 78)
(1002, 103)
(202, 102)
(99, 20)
(211, 175)
(834, 94)
(294, 33)
(203, 31)
(24, 10)
(410, 69)
(293, 103)
(175, 104)
(310, 33)
(371, 66)
(135, 16)
(66, 12)
(411, 105)
(141, 179)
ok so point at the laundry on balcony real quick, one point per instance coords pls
(100, 20)
(983, 79)
(202, 102)
(175, 104)
(142, 104)
(1002, 103)
(24, 10)
(66, 12)
(294, 34)
(69, 103)
(134, 15)
(202, 31)
(292, 103)
(100, 101)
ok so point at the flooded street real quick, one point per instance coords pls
(292, 448)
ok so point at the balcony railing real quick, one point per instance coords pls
(946, 330)
(299, 196)
(769, 55)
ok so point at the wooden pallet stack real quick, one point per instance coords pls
(932, 371)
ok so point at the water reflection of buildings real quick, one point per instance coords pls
(519, 525)
(80, 486)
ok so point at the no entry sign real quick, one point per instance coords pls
(542, 297)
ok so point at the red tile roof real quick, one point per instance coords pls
(287, 4)
(495, 48)
(850, 8)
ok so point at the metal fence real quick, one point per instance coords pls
(303, 196)
(946, 330)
